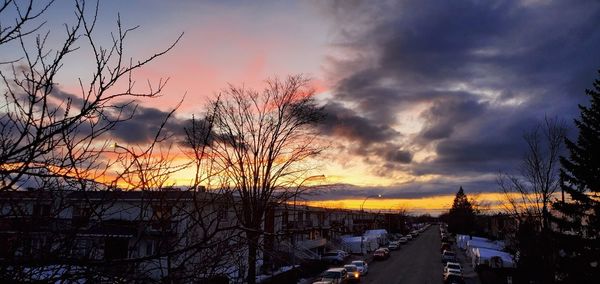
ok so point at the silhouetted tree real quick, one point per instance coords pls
(461, 217)
(59, 171)
(529, 193)
(579, 219)
(528, 196)
(262, 142)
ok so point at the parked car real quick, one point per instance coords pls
(387, 251)
(335, 275)
(445, 246)
(363, 267)
(380, 254)
(409, 237)
(394, 245)
(333, 257)
(353, 273)
(453, 279)
(342, 252)
(453, 266)
(403, 240)
(448, 256)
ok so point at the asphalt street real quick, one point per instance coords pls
(417, 262)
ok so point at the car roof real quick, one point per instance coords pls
(337, 269)
(450, 262)
(349, 265)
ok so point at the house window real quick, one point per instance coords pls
(41, 210)
(161, 217)
(284, 218)
(116, 248)
(222, 213)
(149, 247)
(82, 248)
(161, 212)
(81, 215)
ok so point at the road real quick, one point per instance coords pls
(416, 262)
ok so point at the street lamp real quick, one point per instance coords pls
(362, 236)
(363, 203)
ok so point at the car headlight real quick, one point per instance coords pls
(356, 274)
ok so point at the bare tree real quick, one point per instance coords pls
(47, 133)
(263, 141)
(529, 195)
(58, 143)
(530, 192)
(24, 22)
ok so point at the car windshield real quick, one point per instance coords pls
(331, 274)
(454, 266)
(358, 263)
(350, 268)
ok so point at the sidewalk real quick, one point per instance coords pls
(469, 272)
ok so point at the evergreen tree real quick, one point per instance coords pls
(461, 218)
(578, 218)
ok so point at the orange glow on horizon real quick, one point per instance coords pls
(490, 202)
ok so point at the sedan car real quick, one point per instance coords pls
(353, 273)
(363, 267)
(342, 252)
(333, 257)
(335, 276)
(394, 245)
(387, 250)
(453, 279)
(453, 266)
(380, 254)
(448, 256)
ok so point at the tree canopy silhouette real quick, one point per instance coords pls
(461, 218)
(579, 220)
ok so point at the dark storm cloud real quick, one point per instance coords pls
(367, 138)
(344, 122)
(448, 113)
(145, 123)
(488, 70)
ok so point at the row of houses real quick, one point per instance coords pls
(155, 235)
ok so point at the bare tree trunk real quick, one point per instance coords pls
(253, 239)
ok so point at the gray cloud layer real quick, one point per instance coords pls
(487, 70)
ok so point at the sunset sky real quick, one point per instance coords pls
(421, 96)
